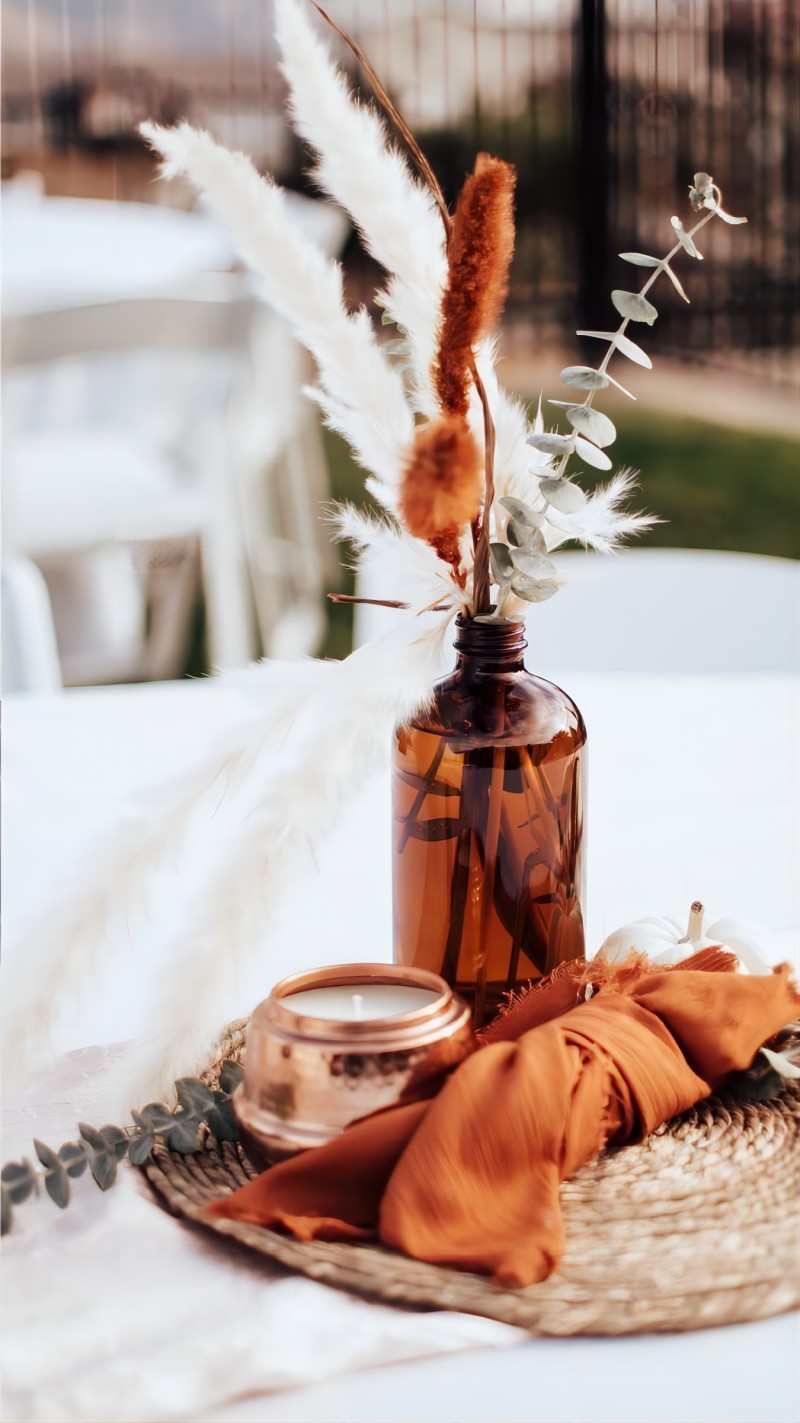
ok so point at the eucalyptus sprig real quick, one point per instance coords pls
(520, 565)
(198, 1108)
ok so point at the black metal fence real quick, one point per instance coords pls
(606, 107)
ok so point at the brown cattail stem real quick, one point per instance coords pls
(481, 583)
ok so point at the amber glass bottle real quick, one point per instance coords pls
(488, 823)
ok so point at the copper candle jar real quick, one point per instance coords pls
(310, 1070)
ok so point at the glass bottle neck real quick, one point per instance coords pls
(496, 646)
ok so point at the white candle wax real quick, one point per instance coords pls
(358, 1002)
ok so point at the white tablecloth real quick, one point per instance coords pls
(116, 1311)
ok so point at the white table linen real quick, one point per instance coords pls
(114, 1310)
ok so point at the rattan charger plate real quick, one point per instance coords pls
(697, 1226)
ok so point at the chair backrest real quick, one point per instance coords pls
(29, 652)
(115, 363)
(211, 312)
(669, 610)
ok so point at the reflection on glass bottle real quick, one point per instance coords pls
(488, 823)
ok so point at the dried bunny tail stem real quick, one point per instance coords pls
(397, 119)
(481, 582)
(440, 487)
(479, 255)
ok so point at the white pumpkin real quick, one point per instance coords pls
(664, 942)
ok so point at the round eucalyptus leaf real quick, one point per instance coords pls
(550, 444)
(194, 1095)
(56, 1184)
(73, 1158)
(222, 1123)
(502, 567)
(675, 282)
(522, 512)
(140, 1146)
(685, 239)
(590, 379)
(231, 1074)
(726, 216)
(531, 590)
(584, 378)
(154, 1117)
(46, 1155)
(116, 1140)
(624, 344)
(565, 496)
(634, 307)
(598, 459)
(533, 565)
(640, 259)
(592, 423)
(19, 1180)
(103, 1166)
(523, 536)
(90, 1134)
(185, 1133)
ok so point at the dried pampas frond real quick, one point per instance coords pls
(362, 391)
(603, 523)
(288, 802)
(405, 568)
(479, 256)
(441, 485)
(396, 215)
(82, 937)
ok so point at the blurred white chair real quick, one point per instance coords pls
(282, 481)
(658, 610)
(117, 466)
(30, 652)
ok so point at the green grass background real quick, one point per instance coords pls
(713, 487)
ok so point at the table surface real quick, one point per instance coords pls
(693, 786)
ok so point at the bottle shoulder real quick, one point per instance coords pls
(510, 708)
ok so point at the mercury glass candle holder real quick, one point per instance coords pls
(358, 1038)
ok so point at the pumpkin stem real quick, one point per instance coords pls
(694, 930)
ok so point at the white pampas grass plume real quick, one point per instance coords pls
(360, 167)
(402, 567)
(602, 524)
(363, 393)
(288, 801)
(84, 936)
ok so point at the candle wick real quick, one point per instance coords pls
(358, 1004)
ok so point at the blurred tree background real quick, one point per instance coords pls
(606, 107)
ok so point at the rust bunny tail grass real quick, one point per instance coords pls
(479, 256)
(441, 484)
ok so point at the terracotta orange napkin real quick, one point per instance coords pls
(470, 1177)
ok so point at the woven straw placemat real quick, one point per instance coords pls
(697, 1226)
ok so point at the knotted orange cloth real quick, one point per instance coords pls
(470, 1177)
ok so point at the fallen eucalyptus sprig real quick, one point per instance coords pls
(101, 1149)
